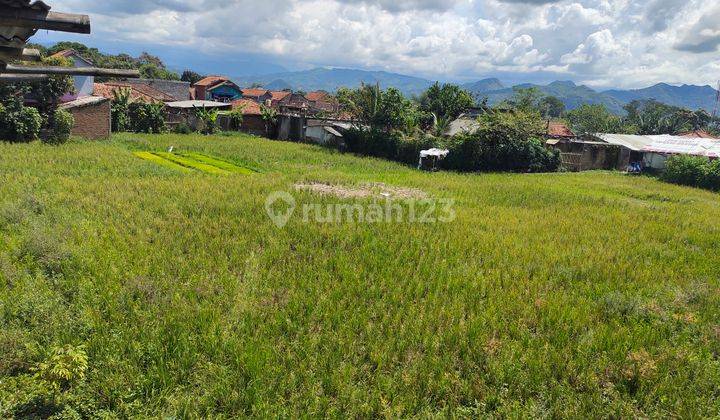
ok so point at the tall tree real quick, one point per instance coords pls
(191, 76)
(446, 101)
(596, 119)
(382, 109)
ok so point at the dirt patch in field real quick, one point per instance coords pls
(369, 190)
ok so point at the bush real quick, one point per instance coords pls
(146, 117)
(208, 120)
(693, 171)
(19, 123)
(236, 119)
(62, 123)
(505, 142)
(183, 128)
(388, 145)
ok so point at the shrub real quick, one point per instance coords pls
(146, 117)
(183, 128)
(693, 171)
(62, 123)
(65, 366)
(208, 119)
(505, 142)
(236, 119)
(19, 123)
(120, 109)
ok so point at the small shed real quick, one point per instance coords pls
(92, 117)
(324, 132)
(180, 112)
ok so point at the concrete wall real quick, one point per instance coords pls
(92, 121)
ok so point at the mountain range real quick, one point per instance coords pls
(572, 95)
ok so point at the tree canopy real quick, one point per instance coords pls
(446, 101)
(150, 66)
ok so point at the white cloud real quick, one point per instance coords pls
(621, 43)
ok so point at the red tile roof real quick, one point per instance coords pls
(211, 80)
(558, 129)
(63, 53)
(249, 107)
(279, 95)
(69, 53)
(254, 93)
(138, 92)
(318, 96)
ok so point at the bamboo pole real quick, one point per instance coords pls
(70, 71)
(37, 19)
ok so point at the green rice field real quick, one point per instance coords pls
(138, 283)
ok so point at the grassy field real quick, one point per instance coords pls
(557, 295)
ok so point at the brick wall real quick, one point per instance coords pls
(92, 121)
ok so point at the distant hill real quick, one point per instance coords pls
(485, 85)
(332, 79)
(571, 94)
(686, 96)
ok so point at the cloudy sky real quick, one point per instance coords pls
(602, 43)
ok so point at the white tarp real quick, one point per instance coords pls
(197, 104)
(438, 153)
(634, 143)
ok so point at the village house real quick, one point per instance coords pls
(253, 122)
(260, 96)
(324, 102)
(278, 96)
(216, 88)
(185, 112)
(83, 84)
(91, 113)
(92, 117)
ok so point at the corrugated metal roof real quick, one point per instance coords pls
(665, 144)
(463, 124)
(680, 145)
(84, 101)
(197, 104)
(634, 143)
(332, 131)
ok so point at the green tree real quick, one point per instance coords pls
(445, 102)
(120, 110)
(551, 107)
(381, 109)
(654, 117)
(269, 116)
(596, 119)
(48, 92)
(504, 142)
(525, 99)
(191, 76)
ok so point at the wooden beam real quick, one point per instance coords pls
(71, 71)
(11, 78)
(37, 19)
(11, 54)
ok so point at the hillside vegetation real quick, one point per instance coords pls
(133, 289)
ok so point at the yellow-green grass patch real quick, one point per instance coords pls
(150, 157)
(218, 163)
